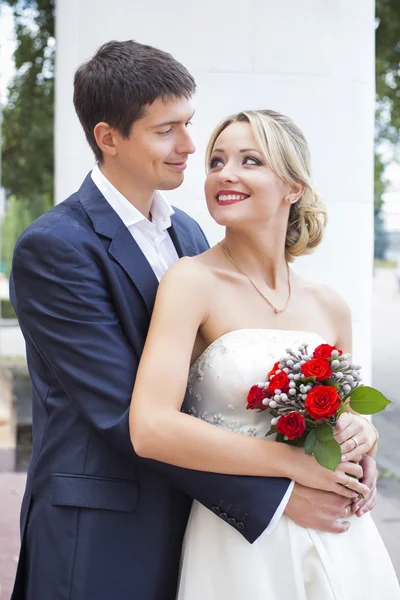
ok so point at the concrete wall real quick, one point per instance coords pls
(311, 59)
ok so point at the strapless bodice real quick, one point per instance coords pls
(222, 376)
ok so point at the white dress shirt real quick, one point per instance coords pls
(154, 241)
(151, 236)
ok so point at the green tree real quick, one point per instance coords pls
(388, 70)
(28, 129)
(387, 104)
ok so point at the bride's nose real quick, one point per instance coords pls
(228, 174)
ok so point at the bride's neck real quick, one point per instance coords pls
(260, 256)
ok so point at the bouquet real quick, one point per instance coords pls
(307, 392)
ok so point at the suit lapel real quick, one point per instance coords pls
(123, 248)
(127, 253)
(179, 235)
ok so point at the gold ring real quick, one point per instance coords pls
(345, 513)
(346, 484)
(355, 443)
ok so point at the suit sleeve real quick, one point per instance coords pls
(64, 306)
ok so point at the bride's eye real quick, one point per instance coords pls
(215, 162)
(250, 160)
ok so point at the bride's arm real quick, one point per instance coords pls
(354, 432)
(161, 432)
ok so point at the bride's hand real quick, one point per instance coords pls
(343, 481)
(355, 435)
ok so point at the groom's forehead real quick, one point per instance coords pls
(170, 111)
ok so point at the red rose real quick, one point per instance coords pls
(325, 351)
(255, 398)
(279, 382)
(292, 425)
(318, 368)
(274, 369)
(322, 402)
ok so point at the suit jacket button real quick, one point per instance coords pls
(240, 525)
(216, 510)
(224, 516)
(232, 521)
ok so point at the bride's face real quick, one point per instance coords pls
(241, 189)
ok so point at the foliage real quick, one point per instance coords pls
(387, 67)
(28, 129)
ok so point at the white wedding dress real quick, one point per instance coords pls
(291, 562)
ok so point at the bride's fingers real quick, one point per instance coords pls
(341, 490)
(349, 468)
(352, 442)
(357, 453)
(344, 427)
(352, 484)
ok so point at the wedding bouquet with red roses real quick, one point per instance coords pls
(307, 392)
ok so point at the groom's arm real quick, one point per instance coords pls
(66, 311)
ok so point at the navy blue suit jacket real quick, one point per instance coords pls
(97, 521)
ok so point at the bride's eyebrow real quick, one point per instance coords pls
(242, 151)
(250, 150)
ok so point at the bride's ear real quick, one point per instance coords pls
(104, 137)
(296, 192)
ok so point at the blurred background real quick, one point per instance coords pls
(332, 65)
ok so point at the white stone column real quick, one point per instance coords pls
(310, 59)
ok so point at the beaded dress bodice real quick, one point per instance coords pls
(222, 376)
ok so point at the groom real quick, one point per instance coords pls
(97, 521)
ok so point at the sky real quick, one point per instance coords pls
(391, 210)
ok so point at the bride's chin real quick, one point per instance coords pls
(226, 220)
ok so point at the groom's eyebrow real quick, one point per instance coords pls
(164, 123)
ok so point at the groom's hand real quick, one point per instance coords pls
(370, 477)
(319, 510)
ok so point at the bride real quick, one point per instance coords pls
(225, 317)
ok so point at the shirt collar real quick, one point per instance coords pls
(160, 210)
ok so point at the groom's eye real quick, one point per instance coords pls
(164, 132)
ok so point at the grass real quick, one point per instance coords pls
(383, 264)
(387, 474)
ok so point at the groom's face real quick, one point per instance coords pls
(156, 152)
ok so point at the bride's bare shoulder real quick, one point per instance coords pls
(193, 271)
(328, 298)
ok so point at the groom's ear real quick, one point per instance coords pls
(104, 136)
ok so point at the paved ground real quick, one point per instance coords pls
(386, 350)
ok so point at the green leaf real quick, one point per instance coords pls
(324, 432)
(310, 441)
(367, 400)
(332, 383)
(299, 442)
(280, 438)
(271, 431)
(306, 380)
(328, 454)
(342, 408)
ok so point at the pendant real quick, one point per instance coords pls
(277, 311)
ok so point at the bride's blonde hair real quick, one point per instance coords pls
(286, 152)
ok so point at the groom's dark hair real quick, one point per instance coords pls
(120, 80)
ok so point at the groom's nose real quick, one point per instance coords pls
(185, 145)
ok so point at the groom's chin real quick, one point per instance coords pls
(172, 182)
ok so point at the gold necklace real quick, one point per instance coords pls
(276, 310)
